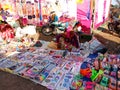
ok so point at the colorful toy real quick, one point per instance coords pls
(96, 74)
(89, 85)
(85, 70)
(118, 76)
(42, 76)
(113, 84)
(53, 79)
(118, 86)
(97, 87)
(33, 72)
(75, 85)
(104, 81)
(76, 82)
(114, 71)
(65, 82)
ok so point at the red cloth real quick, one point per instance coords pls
(7, 32)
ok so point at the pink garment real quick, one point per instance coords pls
(24, 21)
(70, 28)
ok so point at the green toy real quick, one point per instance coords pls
(95, 74)
(104, 81)
(78, 77)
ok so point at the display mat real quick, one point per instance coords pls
(54, 69)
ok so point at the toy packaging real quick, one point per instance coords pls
(65, 82)
(42, 76)
(112, 84)
(5, 63)
(76, 83)
(53, 79)
(14, 67)
(76, 68)
(33, 72)
(67, 67)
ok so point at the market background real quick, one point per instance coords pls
(13, 82)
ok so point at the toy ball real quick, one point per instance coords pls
(85, 70)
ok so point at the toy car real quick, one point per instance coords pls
(104, 81)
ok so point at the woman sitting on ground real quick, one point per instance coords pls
(67, 40)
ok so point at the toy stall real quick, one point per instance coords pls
(37, 12)
(88, 67)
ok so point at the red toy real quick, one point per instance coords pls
(89, 85)
(85, 70)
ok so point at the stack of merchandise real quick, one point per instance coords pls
(60, 69)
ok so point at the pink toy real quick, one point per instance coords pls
(89, 85)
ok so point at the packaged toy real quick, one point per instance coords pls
(118, 85)
(104, 81)
(53, 79)
(76, 83)
(65, 82)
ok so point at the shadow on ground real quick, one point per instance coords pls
(102, 29)
(113, 47)
(13, 82)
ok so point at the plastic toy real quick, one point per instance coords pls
(97, 87)
(115, 68)
(89, 85)
(97, 64)
(113, 84)
(107, 67)
(76, 85)
(85, 71)
(118, 86)
(114, 71)
(95, 74)
(76, 82)
(107, 72)
(118, 76)
(104, 81)
(113, 74)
